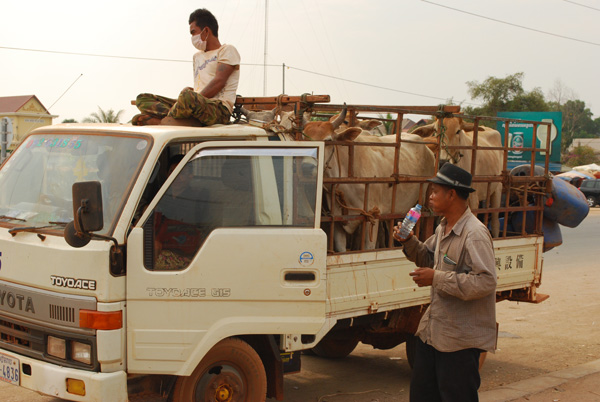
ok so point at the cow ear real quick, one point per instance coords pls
(424, 131)
(369, 124)
(349, 134)
(470, 127)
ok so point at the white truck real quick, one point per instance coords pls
(118, 278)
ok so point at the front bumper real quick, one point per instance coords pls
(51, 379)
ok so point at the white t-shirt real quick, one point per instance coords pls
(205, 68)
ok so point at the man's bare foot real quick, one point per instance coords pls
(145, 120)
(170, 121)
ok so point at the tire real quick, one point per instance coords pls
(230, 372)
(335, 348)
(591, 201)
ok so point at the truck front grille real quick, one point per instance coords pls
(14, 334)
(30, 340)
(62, 313)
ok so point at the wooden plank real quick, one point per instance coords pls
(243, 100)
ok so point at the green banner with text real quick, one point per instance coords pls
(521, 135)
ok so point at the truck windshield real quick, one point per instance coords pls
(36, 182)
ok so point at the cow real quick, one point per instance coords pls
(457, 132)
(370, 161)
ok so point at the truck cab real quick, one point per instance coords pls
(235, 221)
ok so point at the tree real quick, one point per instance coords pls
(581, 155)
(104, 116)
(505, 95)
(560, 93)
(576, 122)
(69, 121)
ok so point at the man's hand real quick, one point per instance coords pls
(422, 276)
(396, 234)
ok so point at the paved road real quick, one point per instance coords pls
(535, 339)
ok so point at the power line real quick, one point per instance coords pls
(243, 64)
(94, 55)
(373, 86)
(511, 24)
(581, 5)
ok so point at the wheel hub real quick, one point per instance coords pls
(224, 387)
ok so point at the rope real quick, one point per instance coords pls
(372, 216)
(442, 136)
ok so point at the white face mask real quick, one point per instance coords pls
(198, 42)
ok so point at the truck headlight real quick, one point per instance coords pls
(57, 347)
(81, 352)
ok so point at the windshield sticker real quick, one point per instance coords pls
(67, 143)
(306, 259)
(141, 145)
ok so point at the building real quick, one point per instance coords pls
(593, 143)
(24, 113)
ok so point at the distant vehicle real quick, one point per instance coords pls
(591, 189)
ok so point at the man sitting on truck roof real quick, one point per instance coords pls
(216, 77)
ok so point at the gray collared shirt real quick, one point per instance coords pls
(462, 313)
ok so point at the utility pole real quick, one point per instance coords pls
(4, 139)
(266, 42)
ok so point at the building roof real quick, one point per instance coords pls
(12, 104)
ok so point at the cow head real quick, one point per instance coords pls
(265, 116)
(288, 119)
(452, 129)
(324, 130)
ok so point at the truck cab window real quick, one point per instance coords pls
(239, 188)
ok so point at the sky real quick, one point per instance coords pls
(380, 52)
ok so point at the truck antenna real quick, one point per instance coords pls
(63, 94)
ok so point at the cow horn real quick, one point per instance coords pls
(340, 119)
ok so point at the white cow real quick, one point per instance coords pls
(489, 162)
(371, 161)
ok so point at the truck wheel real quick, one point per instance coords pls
(591, 201)
(333, 348)
(230, 372)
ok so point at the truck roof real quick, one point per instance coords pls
(164, 133)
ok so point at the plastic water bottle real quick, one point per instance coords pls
(410, 221)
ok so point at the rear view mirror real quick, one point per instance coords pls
(87, 206)
(87, 213)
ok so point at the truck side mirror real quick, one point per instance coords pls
(87, 213)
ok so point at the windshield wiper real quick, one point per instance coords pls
(12, 218)
(59, 223)
(14, 231)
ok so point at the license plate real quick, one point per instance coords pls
(9, 369)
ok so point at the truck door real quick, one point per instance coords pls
(231, 245)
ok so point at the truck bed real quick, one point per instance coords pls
(378, 281)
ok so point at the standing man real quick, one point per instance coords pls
(460, 323)
(216, 77)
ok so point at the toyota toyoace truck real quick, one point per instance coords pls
(118, 278)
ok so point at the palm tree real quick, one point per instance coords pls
(104, 116)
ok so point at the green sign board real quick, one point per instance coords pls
(521, 135)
